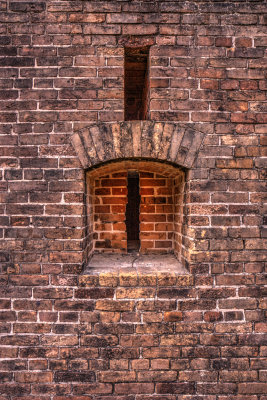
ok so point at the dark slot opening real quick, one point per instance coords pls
(132, 212)
(136, 86)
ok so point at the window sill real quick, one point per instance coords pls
(134, 263)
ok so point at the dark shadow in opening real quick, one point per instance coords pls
(133, 212)
(136, 87)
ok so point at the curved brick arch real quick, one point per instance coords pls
(166, 141)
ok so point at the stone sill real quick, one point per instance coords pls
(134, 262)
(131, 270)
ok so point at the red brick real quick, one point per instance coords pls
(173, 316)
(31, 377)
(134, 388)
(212, 316)
(175, 388)
(252, 388)
(223, 42)
(92, 388)
(261, 327)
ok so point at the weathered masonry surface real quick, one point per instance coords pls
(68, 134)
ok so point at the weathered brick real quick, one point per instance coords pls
(132, 333)
(94, 293)
(92, 388)
(134, 388)
(74, 376)
(252, 388)
(122, 293)
(173, 316)
(175, 388)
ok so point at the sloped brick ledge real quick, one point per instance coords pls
(165, 141)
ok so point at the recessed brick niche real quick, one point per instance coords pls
(159, 154)
(161, 188)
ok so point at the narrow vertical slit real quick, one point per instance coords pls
(133, 212)
(136, 83)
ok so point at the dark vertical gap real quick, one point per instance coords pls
(136, 83)
(133, 212)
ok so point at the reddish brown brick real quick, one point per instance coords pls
(108, 334)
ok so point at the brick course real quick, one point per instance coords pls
(153, 335)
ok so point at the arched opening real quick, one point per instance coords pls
(135, 205)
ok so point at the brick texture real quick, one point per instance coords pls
(64, 335)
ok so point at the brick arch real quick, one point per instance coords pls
(166, 141)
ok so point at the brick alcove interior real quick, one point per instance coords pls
(161, 207)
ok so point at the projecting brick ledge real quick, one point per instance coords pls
(157, 279)
(167, 141)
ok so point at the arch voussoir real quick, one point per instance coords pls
(166, 141)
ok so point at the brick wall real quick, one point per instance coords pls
(64, 335)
